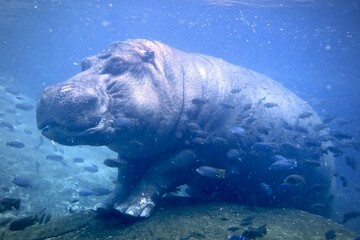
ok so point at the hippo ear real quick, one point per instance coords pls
(147, 56)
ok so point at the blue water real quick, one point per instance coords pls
(311, 47)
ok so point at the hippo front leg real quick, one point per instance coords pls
(159, 179)
(127, 177)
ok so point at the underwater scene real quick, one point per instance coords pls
(179, 119)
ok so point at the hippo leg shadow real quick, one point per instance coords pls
(158, 179)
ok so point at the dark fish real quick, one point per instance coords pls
(341, 135)
(328, 119)
(211, 172)
(100, 191)
(319, 127)
(114, 162)
(266, 188)
(270, 105)
(21, 182)
(253, 233)
(287, 126)
(247, 107)
(263, 130)
(237, 237)
(350, 215)
(7, 125)
(15, 144)
(227, 106)
(124, 122)
(336, 151)
(279, 158)
(305, 115)
(265, 147)
(295, 179)
(235, 90)
(7, 204)
(24, 106)
(343, 180)
(331, 234)
(246, 221)
(233, 228)
(54, 157)
(78, 160)
(351, 162)
(311, 163)
(93, 168)
(22, 223)
(199, 101)
(283, 165)
(85, 192)
(233, 154)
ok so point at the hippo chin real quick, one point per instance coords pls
(187, 119)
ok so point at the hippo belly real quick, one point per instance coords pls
(180, 118)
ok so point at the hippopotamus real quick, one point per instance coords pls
(187, 119)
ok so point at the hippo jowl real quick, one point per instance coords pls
(179, 118)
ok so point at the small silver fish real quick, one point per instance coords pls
(211, 172)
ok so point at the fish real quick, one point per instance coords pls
(331, 234)
(341, 135)
(227, 105)
(238, 131)
(266, 188)
(93, 168)
(233, 154)
(193, 127)
(305, 115)
(263, 130)
(283, 165)
(351, 162)
(22, 223)
(247, 107)
(21, 182)
(246, 221)
(350, 215)
(211, 172)
(56, 158)
(295, 179)
(235, 90)
(279, 158)
(319, 127)
(270, 105)
(328, 119)
(199, 101)
(311, 163)
(237, 237)
(252, 232)
(78, 160)
(344, 181)
(7, 125)
(15, 144)
(114, 162)
(233, 228)
(265, 147)
(124, 122)
(7, 204)
(287, 126)
(85, 192)
(25, 106)
(100, 191)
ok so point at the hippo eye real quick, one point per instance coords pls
(115, 66)
(148, 56)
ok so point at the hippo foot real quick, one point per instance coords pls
(140, 207)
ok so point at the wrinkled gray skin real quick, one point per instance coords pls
(167, 113)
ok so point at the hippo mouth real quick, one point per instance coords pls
(96, 136)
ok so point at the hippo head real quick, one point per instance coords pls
(116, 98)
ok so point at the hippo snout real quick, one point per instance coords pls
(69, 107)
